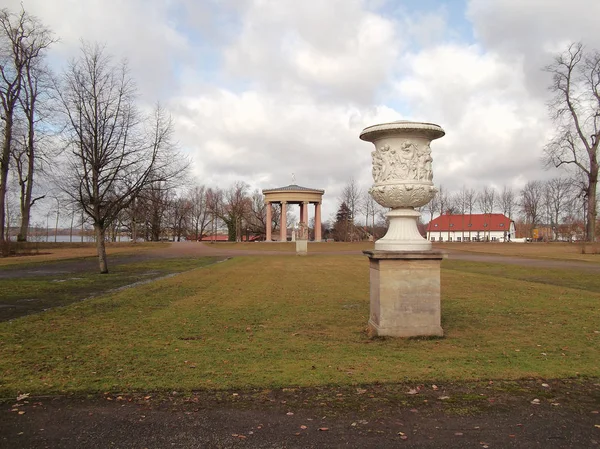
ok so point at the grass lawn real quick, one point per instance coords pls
(538, 250)
(44, 252)
(275, 321)
(51, 284)
(551, 250)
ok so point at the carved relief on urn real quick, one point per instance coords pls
(402, 175)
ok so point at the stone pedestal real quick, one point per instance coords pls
(405, 293)
(301, 247)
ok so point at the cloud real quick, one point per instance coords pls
(262, 88)
(136, 30)
(335, 50)
(533, 31)
(495, 129)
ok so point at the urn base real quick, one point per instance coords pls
(403, 234)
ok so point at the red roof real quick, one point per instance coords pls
(225, 238)
(478, 222)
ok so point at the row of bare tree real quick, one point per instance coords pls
(166, 212)
(24, 90)
(555, 202)
(83, 126)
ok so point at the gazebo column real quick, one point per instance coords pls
(283, 222)
(304, 207)
(317, 222)
(269, 222)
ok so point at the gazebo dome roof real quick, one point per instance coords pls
(293, 188)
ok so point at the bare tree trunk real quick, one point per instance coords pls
(591, 212)
(56, 225)
(23, 229)
(4, 163)
(101, 247)
(133, 221)
(71, 228)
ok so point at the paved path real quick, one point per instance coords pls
(305, 418)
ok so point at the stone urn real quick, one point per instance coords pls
(402, 176)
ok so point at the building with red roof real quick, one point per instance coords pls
(470, 228)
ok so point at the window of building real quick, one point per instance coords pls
(441, 239)
(470, 224)
(449, 239)
(436, 225)
(458, 239)
(501, 225)
(433, 239)
(493, 239)
(485, 225)
(451, 225)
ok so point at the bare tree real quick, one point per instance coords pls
(443, 200)
(433, 207)
(486, 201)
(214, 200)
(257, 217)
(234, 210)
(112, 154)
(351, 197)
(558, 192)
(532, 197)
(200, 216)
(28, 156)
(23, 40)
(460, 201)
(151, 208)
(507, 201)
(179, 212)
(575, 109)
(369, 208)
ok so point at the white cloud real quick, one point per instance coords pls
(332, 50)
(533, 31)
(137, 30)
(495, 128)
(263, 88)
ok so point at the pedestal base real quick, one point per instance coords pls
(301, 247)
(402, 234)
(405, 293)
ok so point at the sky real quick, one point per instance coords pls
(261, 89)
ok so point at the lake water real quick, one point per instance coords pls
(66, 238)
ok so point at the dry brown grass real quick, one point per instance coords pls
(560, 251)
(278, 321)
(61, 251)
(328, 247)
(551, 250)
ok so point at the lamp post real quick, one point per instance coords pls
(47, 227)
(57, 212)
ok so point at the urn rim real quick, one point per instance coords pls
(373, 132)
